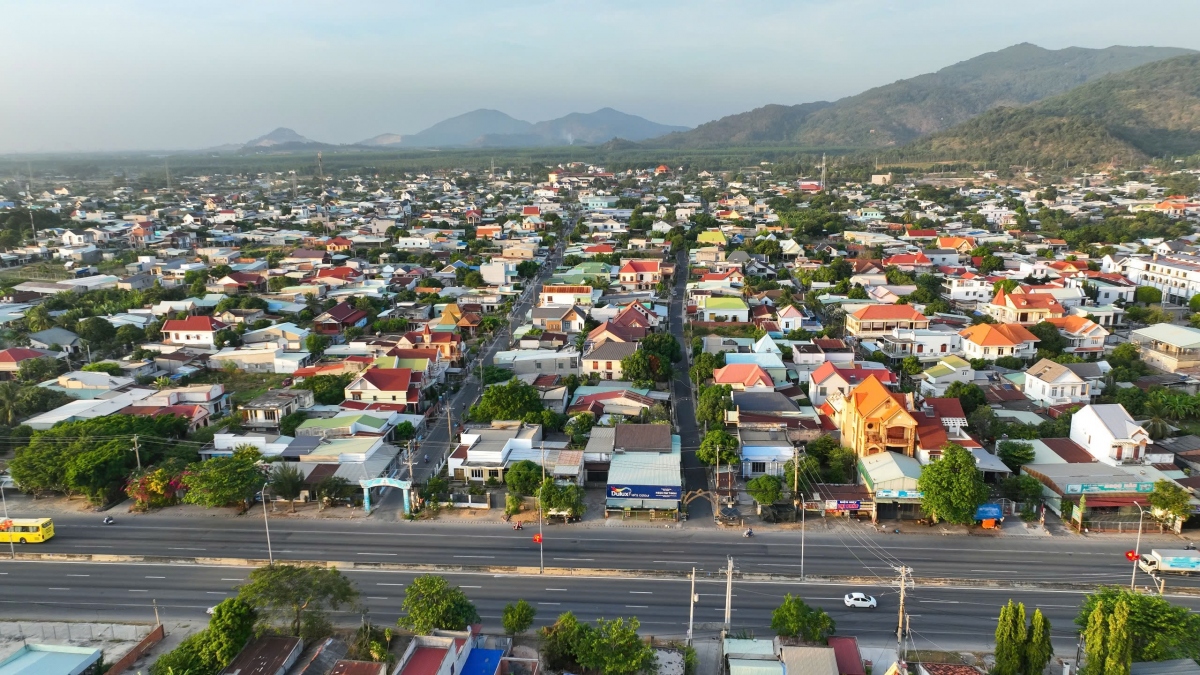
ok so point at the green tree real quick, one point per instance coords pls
(510, 401)
(711, 404)
(10, 403)
(765, 489)
(794, 618)
(222, 481)
(952, 486)
(1023, 489)
(528, 269)
(229, 629)
(615, 648)
(523, 477)
(1095, 648)
(293, 594)
(1119, 642)
(185, 659)
(718, 444)
(287, 481)
(1160, 630)
(104, 367)
(637, 367)
(1171, 499)
(969, 395)
(1050, 341)
(1147, 295)
(561, 499)
(430, 603)
(96, 330)
(1015, 454)
(289, 423)
(37, 370)
(911, 366)
(1010, 644)
(1038, 648)
(517, 618)
(316, 344)
(328, 389)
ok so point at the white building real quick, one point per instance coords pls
(967, 288)
(1110, 435)
(1050, 383)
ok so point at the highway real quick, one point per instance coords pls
(842, 550)
(941, 617)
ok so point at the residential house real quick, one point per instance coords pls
(565, 294)
(289, 336)
(927, 345)
(267, 410)
(968, 288)
(1049, 383)
(1167, 346)
(1110, 435)
(238, 283)
(873, 419)
(721, 309)
(1026, 309)
(764, 451)
(991, 341)
(63, 339)
(640, 274)
(389, 385)
(11, 359)
(605, 360)
(340, 317)
(194, 331)
(830, 378)
(874, 321)
(743, 377)
(948, 370)
(1083, 335)
(559, 319)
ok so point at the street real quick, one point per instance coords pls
(695, 475)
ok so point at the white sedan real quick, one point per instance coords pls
(860, 600)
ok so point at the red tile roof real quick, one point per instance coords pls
(19, 354)
(389, 379)
(193, 323)
(889, 313)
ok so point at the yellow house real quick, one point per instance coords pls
(873, 419)
(714, 237)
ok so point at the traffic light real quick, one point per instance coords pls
(537, 538)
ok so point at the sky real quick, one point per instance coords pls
(100, 75)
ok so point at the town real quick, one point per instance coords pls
(745, 353)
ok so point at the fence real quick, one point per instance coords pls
(61, 630)
(154, 637)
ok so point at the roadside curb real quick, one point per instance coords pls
(514, 570)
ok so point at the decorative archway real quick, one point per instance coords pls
(367, 484)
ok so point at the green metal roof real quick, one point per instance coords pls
(341, 422)
(725, 303)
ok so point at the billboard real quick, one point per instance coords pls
(644, 492)
(842, 505)
(899, 494)
(1103, 488)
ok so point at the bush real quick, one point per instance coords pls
(518, 618)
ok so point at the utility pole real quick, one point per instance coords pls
(691, 608)
(267, 525)
(541, 546)
(795, 476)
(803, 513)
(12, 550)
(728, 598)
(157, 622)
(137, 452)
(904, 572)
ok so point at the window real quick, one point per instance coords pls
(477, 473)
(821, 390)
(356, 396)
(608, 365)
(987, 350)
(758, 467)
(595, 365)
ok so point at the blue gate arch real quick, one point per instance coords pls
(369, 483)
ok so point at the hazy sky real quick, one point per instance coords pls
(161, 74)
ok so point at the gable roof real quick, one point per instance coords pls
(640, 266)
(611, 351)
(746, 374)
(998, 335)
(19, 354)
(388, 379)
(889, 313)
(1049, 371)
(648, 437)
(852, 376)
(1027, 301)
(193, 323)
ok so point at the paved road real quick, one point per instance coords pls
(695, 475)
(946, 618)
(842, 550)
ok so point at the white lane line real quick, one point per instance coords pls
(386, 584)
(997, 571)
(56, 588)
(376, 554)
(138, 590)
(79, 575)
(557, 589)
(573, 559)
(216, 592)
(470, 586)
(227, 579)
(677, 562)
(156, 577)
(375, 597)
(186, 549)
(549, 603)
(642, 592)
(940, 602)
(471, 556)
(638, 606)
(91, 546)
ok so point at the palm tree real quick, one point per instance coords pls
(162, 383)
(1180, 406)
(1157, 425)
(288, 482)
(10, 405)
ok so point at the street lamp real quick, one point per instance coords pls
(1137, 548)
(12, 550)
(267, 524)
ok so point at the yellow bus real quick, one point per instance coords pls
(26, 530)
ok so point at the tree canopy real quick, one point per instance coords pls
(952, 486)
(509, 401)
(794, 618)
(431, 603)
(295, 594)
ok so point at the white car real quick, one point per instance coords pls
(860, 600)
(212, 609)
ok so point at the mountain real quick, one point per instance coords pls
(383, 141)
(900, 112)
(492, 128)
(1152, 110)
(281, 136)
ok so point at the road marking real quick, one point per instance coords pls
(997, 571)
(137, 590)
(940, 602)
(467, 556)
(642, 592)
(376, 554)
(216, 592)
(550, 603)
(638, 606)
(79, 575)
(574, 559)
(221, 580)
(677, 562)
(91, 546)
(55, 588)
(563, 590)
(470, 586)
(385, 584)
(375, 597)
(186, 549)
(163, 578)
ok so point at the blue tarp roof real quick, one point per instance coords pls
(989, 512)
(482, 662)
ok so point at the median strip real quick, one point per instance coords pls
(502, 570)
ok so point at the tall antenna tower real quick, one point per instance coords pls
(822, 171)
(320, 167)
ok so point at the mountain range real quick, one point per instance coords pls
(905, 110)
(492, 128)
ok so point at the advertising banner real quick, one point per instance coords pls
(644, 492)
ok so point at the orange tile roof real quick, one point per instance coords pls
(1073, 323)
(746, 374)
(889, 313)
(998, 335)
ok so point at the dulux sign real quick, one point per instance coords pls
(899, 494)
(643, 492)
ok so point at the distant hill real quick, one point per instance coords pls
(279, 137)
(492, 128)
(905, 110)
(1152, 110)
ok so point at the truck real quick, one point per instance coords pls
(1180, 561)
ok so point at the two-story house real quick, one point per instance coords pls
(990, 341)
(605, 360)
(194, 331)
(873, 419)
(559, 319)
(640, 275)
(1110, 435)
(1048, 383)
(1027, 309)
(386, 385)
(1083, 335)
(829, 378)
(969, 287)
(874, 321)
(340, 317)
(268, 409)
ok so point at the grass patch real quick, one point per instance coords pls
(935, 656)
(241, 386)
